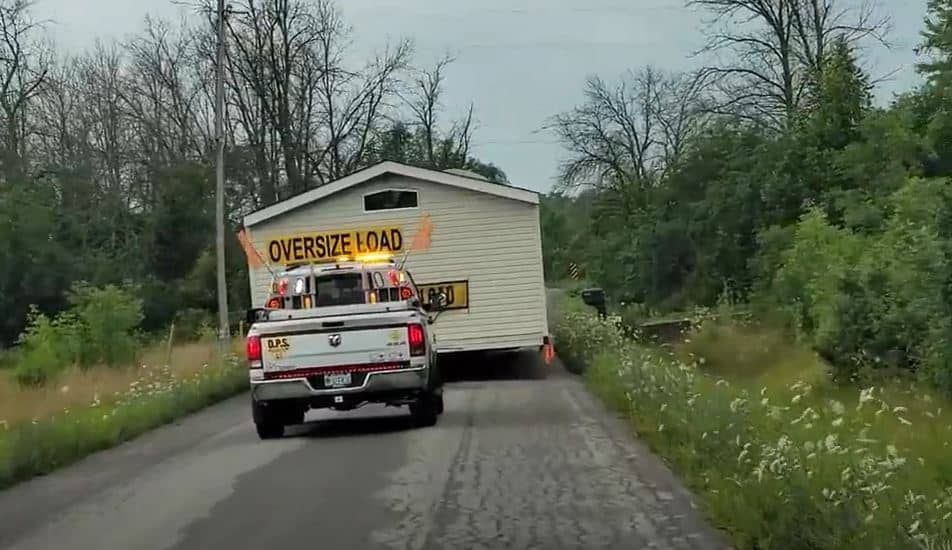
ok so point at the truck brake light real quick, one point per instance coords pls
(415, 339)
(253, 347)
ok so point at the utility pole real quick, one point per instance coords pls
(224, 332)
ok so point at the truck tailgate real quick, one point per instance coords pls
(327, 350)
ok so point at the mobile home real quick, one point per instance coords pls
(484, 248)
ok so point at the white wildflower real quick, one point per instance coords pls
(838, 408)
(903, 421)
(838, 422)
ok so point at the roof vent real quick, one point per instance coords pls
(466, 174)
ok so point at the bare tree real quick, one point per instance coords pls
(350, 103)
(767, 50)
(423, 100)
(107, 133)
(25, 61)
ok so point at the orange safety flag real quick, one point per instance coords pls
(254, 259)
(421, 241)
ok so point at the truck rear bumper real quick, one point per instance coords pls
(376, 382)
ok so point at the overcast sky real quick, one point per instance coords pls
(520, 61)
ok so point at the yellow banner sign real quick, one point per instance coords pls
(320, 246)
(457, 293)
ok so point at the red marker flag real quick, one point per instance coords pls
(254, 259)
(421, 240)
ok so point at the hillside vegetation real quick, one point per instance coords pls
(791, 193)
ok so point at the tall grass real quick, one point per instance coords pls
(781, 462)
(85, 410)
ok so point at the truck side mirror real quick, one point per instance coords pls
(595, 297)
(437, 304)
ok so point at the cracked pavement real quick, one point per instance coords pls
(522, 459)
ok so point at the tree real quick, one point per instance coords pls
(771, 48)
(625, 136)
(937, 43)
(24, 64)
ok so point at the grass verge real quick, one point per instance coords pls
(88, 411)
(788, 463)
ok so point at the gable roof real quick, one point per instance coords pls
(478, 185)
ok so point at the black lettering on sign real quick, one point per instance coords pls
(286, 248)
(297, 244)
(309, 248)
(457, 293)
(274, 251)
(373, 241)
(322, 246)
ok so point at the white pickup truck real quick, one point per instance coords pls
(341, 336)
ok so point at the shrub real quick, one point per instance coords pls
(872, 300)
(98, 328)
(47, 346)
(191, 323)
(108, 317)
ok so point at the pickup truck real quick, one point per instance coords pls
(342, 336)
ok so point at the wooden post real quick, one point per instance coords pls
(168, 360)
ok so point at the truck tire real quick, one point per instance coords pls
(426, 409)
(439, 403)
(268, 421)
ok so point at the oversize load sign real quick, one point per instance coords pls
(319, 246)
(457, 293)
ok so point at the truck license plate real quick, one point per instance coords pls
(337, 380)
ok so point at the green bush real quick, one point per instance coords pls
(47, 346)
(98, 328)
(108, 317)
(873, 300)
(787, 466)
(191, 323)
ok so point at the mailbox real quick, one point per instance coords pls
(595, 297)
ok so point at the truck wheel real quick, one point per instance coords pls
(268, 422)
(439, 404)
(425, 410)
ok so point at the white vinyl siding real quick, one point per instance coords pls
(491, 241)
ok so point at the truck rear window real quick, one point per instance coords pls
(342, 289)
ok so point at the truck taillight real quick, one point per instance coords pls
(416, 339)
(253, 347)
(274, 303)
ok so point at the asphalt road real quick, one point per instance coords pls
(522, 458)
